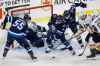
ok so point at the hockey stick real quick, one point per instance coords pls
(2, 39)
(83, 50)
(74, 36)
(50, 50)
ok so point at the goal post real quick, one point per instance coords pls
(38, 13)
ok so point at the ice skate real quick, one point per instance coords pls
(73, 52)
(5, 52)
(93, 53)
(82, 46)
(47, 50)
(62, 49)
(91, 56)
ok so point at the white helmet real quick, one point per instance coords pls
(96, 23)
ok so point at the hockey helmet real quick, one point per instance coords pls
(27, 17)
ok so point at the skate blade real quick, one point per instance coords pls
(35, 60)
(94, 58)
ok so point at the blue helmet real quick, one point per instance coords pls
(27, 17)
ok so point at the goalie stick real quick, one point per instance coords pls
(74, 36)
(83, 50)
(50, 50)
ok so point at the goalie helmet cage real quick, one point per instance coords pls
(37, 11)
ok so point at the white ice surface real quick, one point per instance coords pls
(19, 57)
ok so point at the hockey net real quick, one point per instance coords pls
(38, 13)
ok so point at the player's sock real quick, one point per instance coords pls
(32, 55)
(50, 45)
(5, 52)
(93, 53)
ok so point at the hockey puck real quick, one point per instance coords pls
(53, 57)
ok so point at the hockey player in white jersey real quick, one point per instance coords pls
(94, 32)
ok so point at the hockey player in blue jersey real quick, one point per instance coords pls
(51, 31)
(70, 19)
(58, 31)
(16, 32)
